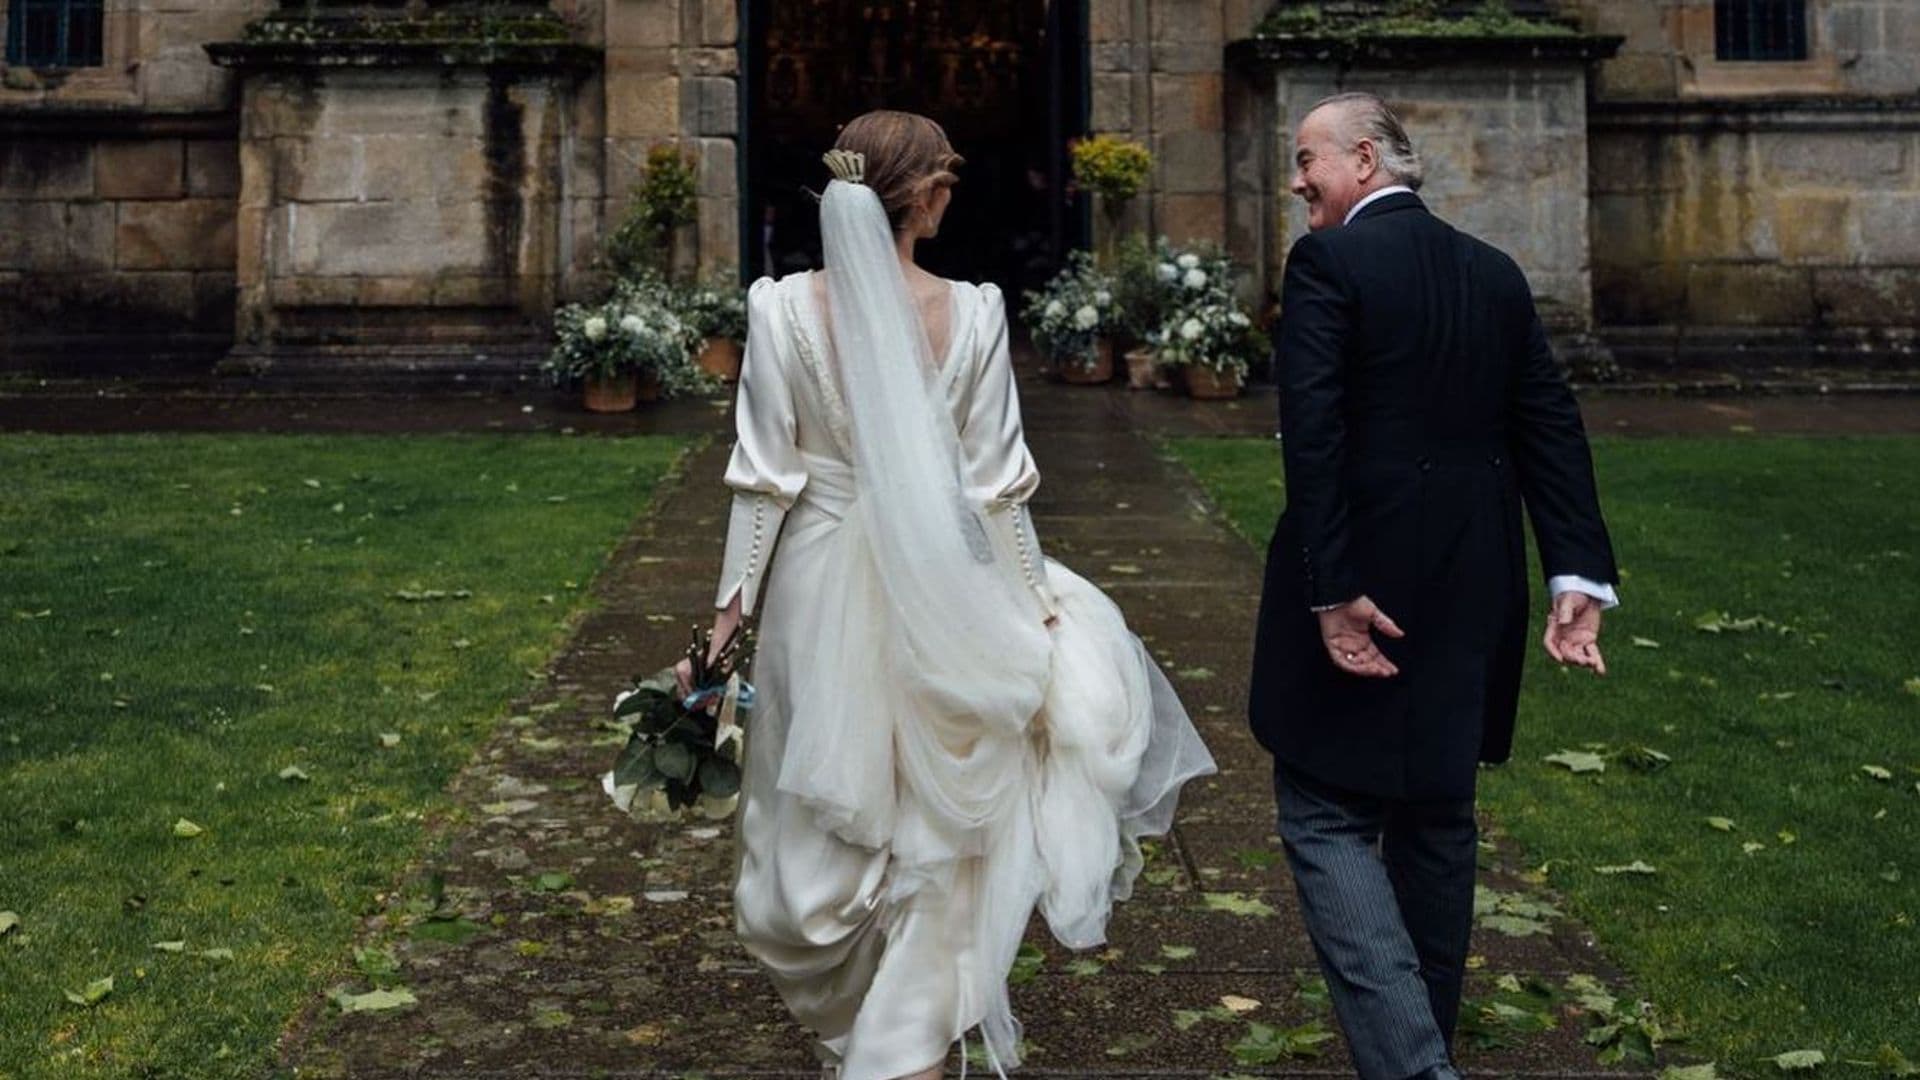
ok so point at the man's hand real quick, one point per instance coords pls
(1347, 632)
(1573, 631)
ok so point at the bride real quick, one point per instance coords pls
(949, 729)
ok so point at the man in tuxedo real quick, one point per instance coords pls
(1421, 408)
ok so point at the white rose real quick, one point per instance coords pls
(1086, 318)
(1191, 329)
(1188, 261)
(1195, 279)
(716, 809)
(595, 328)
(1167, 271)
(1103, 298)
(1055, 309)
(632, 324)
(1238, 319)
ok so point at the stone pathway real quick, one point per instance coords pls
(545, 935)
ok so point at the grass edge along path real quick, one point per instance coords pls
(241, 672)
(1735, 811)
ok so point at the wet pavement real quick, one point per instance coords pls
(543, 934)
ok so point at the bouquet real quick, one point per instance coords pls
(683, 751)
(1068, 314)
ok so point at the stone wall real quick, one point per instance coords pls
(671, 76)
(1157, 75)
(1761, 231)
(1857, 48)
(381, 207)
(1505, 147)
(113, 235)
(117, 189)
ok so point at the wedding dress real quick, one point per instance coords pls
(929, 757)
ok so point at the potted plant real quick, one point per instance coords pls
(1067, 317)
(1142, 296)
(716, 313)
(660, 204)
(1204, 331)
(628, 349)
(1114, 169)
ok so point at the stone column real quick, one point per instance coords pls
(402, 186)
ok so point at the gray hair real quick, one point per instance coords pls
(1366, 117)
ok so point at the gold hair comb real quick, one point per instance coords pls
(848, 165)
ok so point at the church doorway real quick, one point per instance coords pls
(1006, 78)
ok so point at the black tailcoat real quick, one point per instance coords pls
(1420, 408)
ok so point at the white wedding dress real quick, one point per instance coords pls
(897, 832)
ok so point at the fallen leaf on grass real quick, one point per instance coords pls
(170, 946)
(215, 954)
(375, 1000)
(1637, 866)
(389, 739)
(9, 922)
(1752, 846)
(1799, 1059)
(1878, 772)
(1265, 1044)
(1891, 1063)
(1578, 761)
(295, 773)
(186, 829)
(1645, 643)
(1514, 925)
(1689, 1072)
(92, 994)
(1237, 904)
(1720, 823)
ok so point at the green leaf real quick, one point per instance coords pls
(9, 922)
(1129, 1044)
(553, 881)
(1238, 904)
(295, 773)
(1689, 1072)
(1913, 687)
(1256, 858)
(1026, 964)
(1637, 866)
(1085, 968)
(719, 778)
(1178, 952)
(94, 992)
(1799, 1059)
(1515, 925)
(1721, 824)
(186, 829)
(389, 739)
(170, 946)
(1891, 1063)
(376, 961)
(1578, 761)
(1265, 1044)
(674, 761)
(375, 1000)
(1878, 772)
(1645, 643)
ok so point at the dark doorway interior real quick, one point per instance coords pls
(1006, 78)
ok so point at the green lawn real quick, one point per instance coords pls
(184, 617)
(1798, 927)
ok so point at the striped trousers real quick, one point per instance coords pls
(1386, 888)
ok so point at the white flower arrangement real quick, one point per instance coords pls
(1201, 320)
(1069, 314)
(634, 331)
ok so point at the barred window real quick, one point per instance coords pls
(54, 33)
(1760, 29)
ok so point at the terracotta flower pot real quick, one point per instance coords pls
(1084, 372)
(1207, 384)
(616, 393)
(649, 388)
(721, 359)
(1142, 372)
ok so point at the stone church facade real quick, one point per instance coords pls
(319, 186)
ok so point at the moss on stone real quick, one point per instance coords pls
(1402, 19)
(442, 28)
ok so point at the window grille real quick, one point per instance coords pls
(1760, 29)
(54, 33)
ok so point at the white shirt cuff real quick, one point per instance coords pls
(1560, 583)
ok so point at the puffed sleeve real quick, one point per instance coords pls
(766, 471)
(1000, 473)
